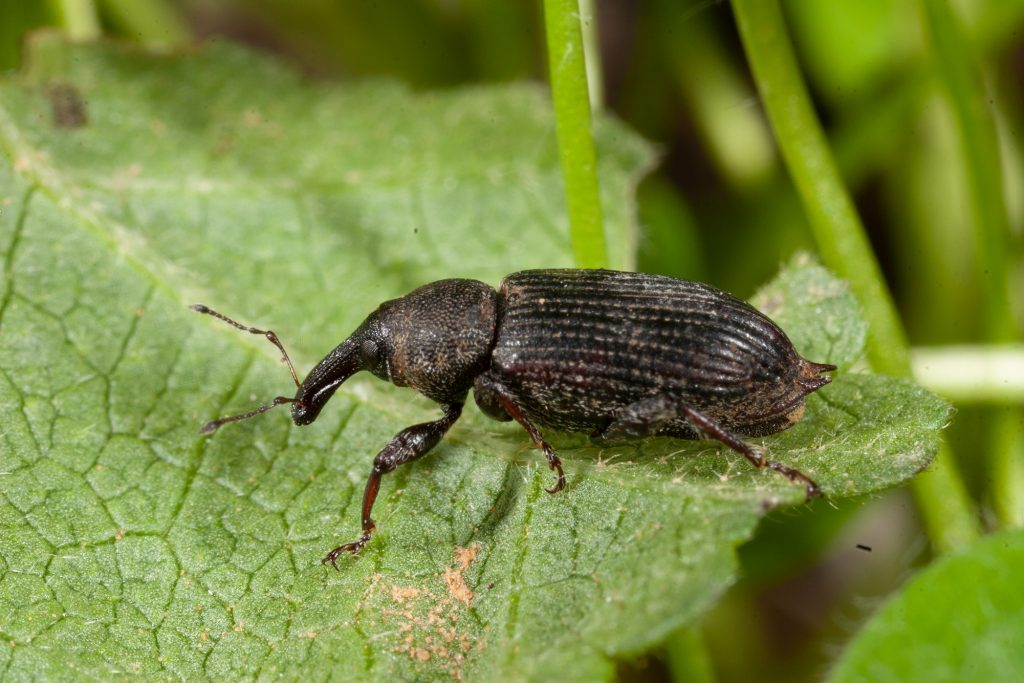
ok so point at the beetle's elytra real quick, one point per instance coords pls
(614, 355)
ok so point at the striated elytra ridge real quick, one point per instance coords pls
(576, 347)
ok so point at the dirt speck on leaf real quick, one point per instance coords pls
(453, 576)
(426, 622)
(402, 594)
(67, 106)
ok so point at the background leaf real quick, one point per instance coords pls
(131, 545)
(959, 620)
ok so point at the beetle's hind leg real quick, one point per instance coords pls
(711, 429)
(409, 444)
(648, 416)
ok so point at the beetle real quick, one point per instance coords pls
(612, 354)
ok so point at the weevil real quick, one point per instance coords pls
(614, 355)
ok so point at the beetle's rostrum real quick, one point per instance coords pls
(611, 354)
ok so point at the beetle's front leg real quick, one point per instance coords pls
(409, 444)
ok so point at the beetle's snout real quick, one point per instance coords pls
(302, 415)
(310, 400)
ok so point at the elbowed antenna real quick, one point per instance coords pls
(269, 334)
(214, 425)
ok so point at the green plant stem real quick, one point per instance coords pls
(688, 658)
(972, 374)
(77, 17)
(830, 212)
(567, 68)
(979, 146)
(592, 53)
(1008, 467)
(150, 21)
(862, 139)
(941, 496)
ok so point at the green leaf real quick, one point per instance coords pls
(129, 544)
(958, 620)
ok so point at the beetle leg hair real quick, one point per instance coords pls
(409, 444)
(711, 429)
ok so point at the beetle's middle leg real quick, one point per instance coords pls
(409, 444)
(495, 401)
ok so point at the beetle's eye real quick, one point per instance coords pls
(369, 354)
(373, 358)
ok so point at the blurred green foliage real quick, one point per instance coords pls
(721, 207)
